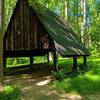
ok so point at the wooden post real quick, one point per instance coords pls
(31, 60)
(35, 32)
(85, 60)
(74, 68)
(4, 64)
(55, 60)
(85, 67)
(48, 58)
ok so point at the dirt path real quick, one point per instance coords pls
(35, 86)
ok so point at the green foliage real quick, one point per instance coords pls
(42, 59)
(17, 61)
(87, 83)
(8, 10)
(11, 62)
(95, 33)
(59, 75)
(10, 93)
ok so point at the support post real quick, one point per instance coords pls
(85, 60)
(48, 58)
(55, 60)
(85, 67)
(74, 68)
(31, 60)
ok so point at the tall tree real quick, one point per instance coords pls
(66, 9)
(47, 3)
(76, 13)
(83, 7)
(1, 38)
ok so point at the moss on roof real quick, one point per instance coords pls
(66, 41)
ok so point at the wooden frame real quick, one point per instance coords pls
(27, 53)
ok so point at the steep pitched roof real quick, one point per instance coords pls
(66, 41)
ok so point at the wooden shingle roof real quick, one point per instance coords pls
(66, 41)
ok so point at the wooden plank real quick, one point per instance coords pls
(28, 26)
(24, 25)
(5, 43)
(12, 30)
(16, 27)
(32, 33)
(20, 32)
(14, 33)
(27, 53)
(35, 31)
(64, 56)
(9, 40)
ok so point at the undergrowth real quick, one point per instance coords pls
(84, 83)
(10, 93)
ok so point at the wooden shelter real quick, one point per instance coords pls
(34, 30)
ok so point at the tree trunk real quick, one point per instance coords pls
(47, 4)
(65, 9)
(1, 58)
(76, 16)
(1, 38)
(83, 11)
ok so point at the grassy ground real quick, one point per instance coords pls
(10, 93)
(86, 84)
(20, 61)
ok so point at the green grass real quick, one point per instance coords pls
(87, 83)
(20, 61)
(10, 93)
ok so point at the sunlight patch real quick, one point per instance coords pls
(45, 82)
(27, 88)
(93, 77)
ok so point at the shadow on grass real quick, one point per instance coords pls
(28, 69)
(87, 83)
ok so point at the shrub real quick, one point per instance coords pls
(10, 93)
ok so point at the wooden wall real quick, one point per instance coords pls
(24, 30)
